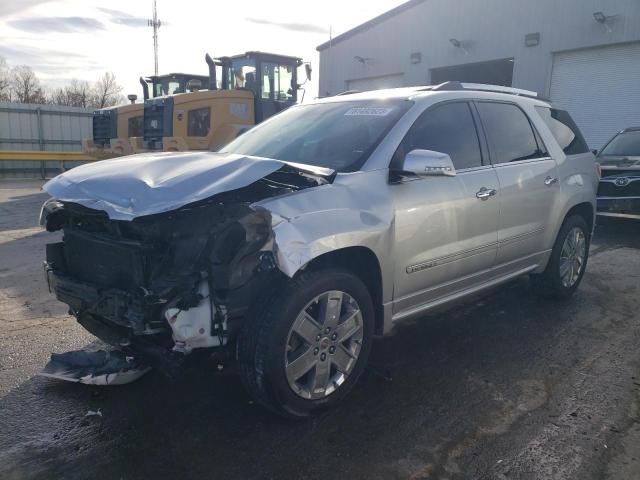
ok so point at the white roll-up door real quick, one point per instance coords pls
(600, 87)
(376, 83)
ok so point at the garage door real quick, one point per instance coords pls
(375, 83)
(600, 88)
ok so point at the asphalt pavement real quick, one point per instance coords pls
(505, 385)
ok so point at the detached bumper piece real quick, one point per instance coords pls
(94, 368)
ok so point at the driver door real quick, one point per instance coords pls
(445, 227)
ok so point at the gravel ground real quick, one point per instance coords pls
(505, 385)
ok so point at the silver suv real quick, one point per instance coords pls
(321, 228)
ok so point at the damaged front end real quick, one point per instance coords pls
(159, 286)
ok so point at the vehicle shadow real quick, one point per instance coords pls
(613, 233)
(423, 386)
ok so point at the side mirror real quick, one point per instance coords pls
(595, 151)
(427, 163)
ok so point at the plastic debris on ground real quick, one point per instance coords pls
(94, 368)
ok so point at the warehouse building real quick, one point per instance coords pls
(582, 54)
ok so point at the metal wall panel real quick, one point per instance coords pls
(488, 29)
(40, 127)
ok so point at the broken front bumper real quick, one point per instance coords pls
(126, 313)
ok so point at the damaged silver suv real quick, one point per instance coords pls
(319, 229)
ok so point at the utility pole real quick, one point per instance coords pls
(155, 23)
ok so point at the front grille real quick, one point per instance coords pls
(105, 127)
(158, 122)
(620, 183)
(104, 261)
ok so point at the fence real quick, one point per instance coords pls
(47, 128)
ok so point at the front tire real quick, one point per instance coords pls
(568, 260)
(303, 347)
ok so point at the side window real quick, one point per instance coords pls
(564, 130)
(277, 81)
(135, 126)
(198, 122)
(447, 128)
(509, 132)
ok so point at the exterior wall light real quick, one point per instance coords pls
(603, 19)
(462, 45)
(362, 60)
(532, 39)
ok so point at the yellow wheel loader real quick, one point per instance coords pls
(253, 87)
(118, 130)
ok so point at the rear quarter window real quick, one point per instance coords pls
(564, 130)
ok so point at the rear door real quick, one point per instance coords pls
(445, 234)
(528, 181)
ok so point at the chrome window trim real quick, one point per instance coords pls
(521, 162)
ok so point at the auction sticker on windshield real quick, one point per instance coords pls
(368, 111)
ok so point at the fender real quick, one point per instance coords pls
(310, 225)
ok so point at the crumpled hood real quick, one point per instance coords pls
(145, 184)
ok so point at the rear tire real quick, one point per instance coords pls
(568, 260)
(303, 347)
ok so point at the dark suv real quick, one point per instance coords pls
(619, 189)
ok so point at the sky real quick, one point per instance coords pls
(65, 39)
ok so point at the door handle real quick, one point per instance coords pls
(550, 181)
(485, 193)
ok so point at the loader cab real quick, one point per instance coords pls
(272, 79)
(174, 83)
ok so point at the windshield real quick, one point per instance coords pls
(339, 135)
(623, 145)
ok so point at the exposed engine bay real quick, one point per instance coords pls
(159, 286)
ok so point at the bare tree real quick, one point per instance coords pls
(25, 85)
(107, 91)
(5, 87)
(80, 93)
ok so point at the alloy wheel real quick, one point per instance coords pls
(323, 345)
(572, 257)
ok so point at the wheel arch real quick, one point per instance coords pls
(585, 210)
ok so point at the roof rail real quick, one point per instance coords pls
(446, 86)
(346, 92)
(456, 85)
(499, 89)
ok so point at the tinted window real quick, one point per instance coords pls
(198, 122)
(564, 130)
(135, 126)
(624, 145)
(447, 128)
(509, 132)
(338, 135)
